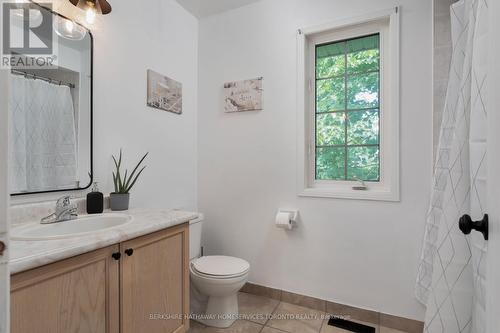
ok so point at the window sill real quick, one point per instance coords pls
(380, 194)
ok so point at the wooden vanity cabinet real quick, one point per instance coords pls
(80, 294)
(155, 282)
(141, 285)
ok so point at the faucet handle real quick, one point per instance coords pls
(63, 202)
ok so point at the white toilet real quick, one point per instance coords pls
(215, 282)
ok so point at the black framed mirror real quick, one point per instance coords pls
(51, 108)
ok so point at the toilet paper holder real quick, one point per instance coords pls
(293, 214)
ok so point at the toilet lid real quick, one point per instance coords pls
(220, 265)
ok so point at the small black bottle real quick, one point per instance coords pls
(95, 201)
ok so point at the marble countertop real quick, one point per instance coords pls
(26, 255)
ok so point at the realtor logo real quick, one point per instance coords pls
(28, 35)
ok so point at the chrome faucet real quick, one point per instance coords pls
(65, 211)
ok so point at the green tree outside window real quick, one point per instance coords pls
(348, 109)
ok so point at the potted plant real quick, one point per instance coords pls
(120, 198)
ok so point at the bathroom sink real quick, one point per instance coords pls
(82, 226)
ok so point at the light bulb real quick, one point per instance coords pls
(90, 16)
(69, 25)
(68, 29)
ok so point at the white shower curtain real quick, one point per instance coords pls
(451, 277)
(43, 146)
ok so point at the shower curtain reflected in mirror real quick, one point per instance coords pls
(43, 152)
(451, 277)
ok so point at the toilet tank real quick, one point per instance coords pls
(195, 229)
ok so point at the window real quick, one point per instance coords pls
(348, 108)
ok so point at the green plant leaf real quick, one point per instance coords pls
(135, 169)
(120, 159)
(135, 179)
(123, 185)
(118, 164)
(115, 182)
(119, 183)
(125, 178)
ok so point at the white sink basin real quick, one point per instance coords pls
(82, 226)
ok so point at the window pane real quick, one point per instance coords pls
(362, 91)
(362, 127)
(363, 61)
(347, 109)
(363, 163)
(330, 95)
(330, 50)
(363, 54)
(330, 60)
(330, 163)
(330, 129)
(330, 66)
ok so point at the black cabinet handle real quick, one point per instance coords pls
(2, 248)
(116, 255)
(129, 252)
(467, 225)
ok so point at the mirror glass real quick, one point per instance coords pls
(51, 111)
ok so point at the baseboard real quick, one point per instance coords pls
(336, 309)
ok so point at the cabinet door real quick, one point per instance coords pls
(155, 282)
(80, 294)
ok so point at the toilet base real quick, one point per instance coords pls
(221, 312)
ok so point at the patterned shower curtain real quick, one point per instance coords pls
(451, 276)
(43, 152)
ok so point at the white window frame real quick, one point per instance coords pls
(386, 23)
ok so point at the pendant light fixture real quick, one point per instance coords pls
(68, 29)
(92, 8)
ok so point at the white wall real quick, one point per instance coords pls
(123, 53)
(134, 37)
(138, 35)
(354, 252)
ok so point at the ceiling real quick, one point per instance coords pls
(204, 8)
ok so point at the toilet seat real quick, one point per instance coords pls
(220, 267)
